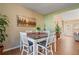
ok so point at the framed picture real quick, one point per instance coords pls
(26, 21)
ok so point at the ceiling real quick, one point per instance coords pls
(45, 8)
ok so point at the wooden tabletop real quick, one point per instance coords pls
(37, 35)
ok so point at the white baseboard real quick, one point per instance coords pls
(10, 48)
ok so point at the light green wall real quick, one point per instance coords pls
(49, 22)
(49, 18)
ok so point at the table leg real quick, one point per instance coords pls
(35, 48)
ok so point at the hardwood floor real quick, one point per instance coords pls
(65, 46)
(13, 52)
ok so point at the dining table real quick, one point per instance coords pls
(35, 38)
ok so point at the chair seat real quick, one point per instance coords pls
(43, 43)
(30, 43)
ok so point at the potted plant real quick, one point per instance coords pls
(38, 28)
(58, 31)
(3, 35)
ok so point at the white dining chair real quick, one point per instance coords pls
(52, 40)
(46, 46)
(25, 43)
(30, 43)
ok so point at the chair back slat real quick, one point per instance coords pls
(23, 37)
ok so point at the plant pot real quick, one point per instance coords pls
(1, 49)
(57, 35)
